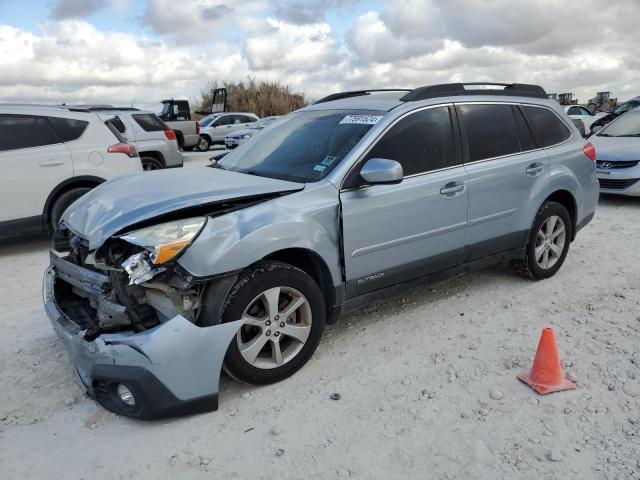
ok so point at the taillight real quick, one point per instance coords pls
(590, 151)
(197, 128)
(170, 134)
(125, 148)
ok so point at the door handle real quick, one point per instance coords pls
(534, 169)
(51, 163)
(451, 188)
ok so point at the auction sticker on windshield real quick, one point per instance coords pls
(362, 119)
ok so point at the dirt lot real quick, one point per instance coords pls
(427, 384)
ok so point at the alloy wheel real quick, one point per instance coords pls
(550, 242)
(277, 324)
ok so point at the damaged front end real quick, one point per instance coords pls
(128, 314)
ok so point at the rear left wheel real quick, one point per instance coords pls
(63, 202)
(151, 163)
(203, 144)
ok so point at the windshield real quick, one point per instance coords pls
(206, 121)
(627, 125)
(303, 146)
(626, 106)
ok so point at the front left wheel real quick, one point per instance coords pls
(284, 313)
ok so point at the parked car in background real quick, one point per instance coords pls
(155, 142)
(351, 199)
(222, 125)
(234, 139)
(583, 115)
(619, 110)
(177, 115)
(49, 157)
(617, 148)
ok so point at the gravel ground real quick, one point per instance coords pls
(426, 381)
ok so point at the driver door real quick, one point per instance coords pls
(396, 233)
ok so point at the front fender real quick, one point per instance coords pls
(307, 220)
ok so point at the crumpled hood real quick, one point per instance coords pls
(116, 204)
(616, 148)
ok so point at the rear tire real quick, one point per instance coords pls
(285, 314)
(61, 203)
(151, 163)
(548, 244)
(204, 144)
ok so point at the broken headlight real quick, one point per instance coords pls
(166, 240)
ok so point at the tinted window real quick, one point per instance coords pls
(491, 130)
(421, 142)
(584, 111)
(149, 122)
(24, 132)
(119, 124)
(527, 141)
(247, 119)
(68, 129)
(573, 111)
(547, 127)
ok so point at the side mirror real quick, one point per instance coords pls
(381, 171)
(596, 129)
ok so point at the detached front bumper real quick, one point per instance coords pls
(171, 369)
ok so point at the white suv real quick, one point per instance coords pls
(156, 143)
(49, 157)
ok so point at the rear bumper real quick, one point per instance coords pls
(171, 369)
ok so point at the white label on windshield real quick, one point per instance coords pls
(362, 119)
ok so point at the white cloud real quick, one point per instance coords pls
(407, 43)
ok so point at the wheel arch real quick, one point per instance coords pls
(566, 199)
(153, 154)
(313, 265)
(84, 181)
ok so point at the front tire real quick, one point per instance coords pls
(63, 202)
(284, 315)
(549, 241)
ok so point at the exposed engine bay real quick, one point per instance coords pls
(121, 288)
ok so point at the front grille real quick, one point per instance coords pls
(611, 184)
(615, 164)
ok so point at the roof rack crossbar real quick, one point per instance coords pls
(458, 89)
(357, 93)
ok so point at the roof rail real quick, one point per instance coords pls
(357, 93)
(458, 89)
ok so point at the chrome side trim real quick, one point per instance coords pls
(409, 238)
(493, 216)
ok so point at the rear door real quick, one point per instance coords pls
(32, 163)
(395, 233)
(506, 173)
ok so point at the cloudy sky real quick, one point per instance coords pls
(140, 51)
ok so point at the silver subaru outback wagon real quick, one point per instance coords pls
(159, 281)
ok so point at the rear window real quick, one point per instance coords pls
(24, 131)
(68, 129)
(547, 127)
(491, 130)
(149, 122)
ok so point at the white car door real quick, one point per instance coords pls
(33, 163)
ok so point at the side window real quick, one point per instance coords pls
(68, 129)
(573, 111)
(527, 142)
(149, 122)
(490, 129)
(247, 119)
(584, 111)
(238, 119)
(421, 142)
(119, 124)
(225, 120)
(17, 131)
(547, 127)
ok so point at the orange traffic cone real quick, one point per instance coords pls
(546, 375)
